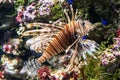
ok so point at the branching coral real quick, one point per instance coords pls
(34, 10)
(111, 56)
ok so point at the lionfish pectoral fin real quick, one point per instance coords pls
(71, 63)
(68, 49)
(73, 57)
(72, 60)
(69, 67)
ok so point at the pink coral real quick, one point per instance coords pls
(7, 48)
(20, 14)
(44, 74)
(68, 76)
(1, 75)
(118, 32)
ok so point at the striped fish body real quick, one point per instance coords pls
(60, 42)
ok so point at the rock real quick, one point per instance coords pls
(6, 3)
(7, 14)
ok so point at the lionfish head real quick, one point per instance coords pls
(83, 27)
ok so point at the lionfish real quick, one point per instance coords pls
(70, 36)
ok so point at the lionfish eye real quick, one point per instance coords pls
(76, 34)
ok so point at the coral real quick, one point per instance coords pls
(44, 73)
(111, 56)
(34, 10)
(9, 65)
(107, 58)
(12, 46)
(118, 33)
(30, 68)
(1, 75)
(7, 48)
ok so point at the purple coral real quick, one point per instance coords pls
(26, 14)
(117, 53)
(44, 9)
(107, 58)
(116, 47)
(105, 62)
(29, 13)
(112, 54)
